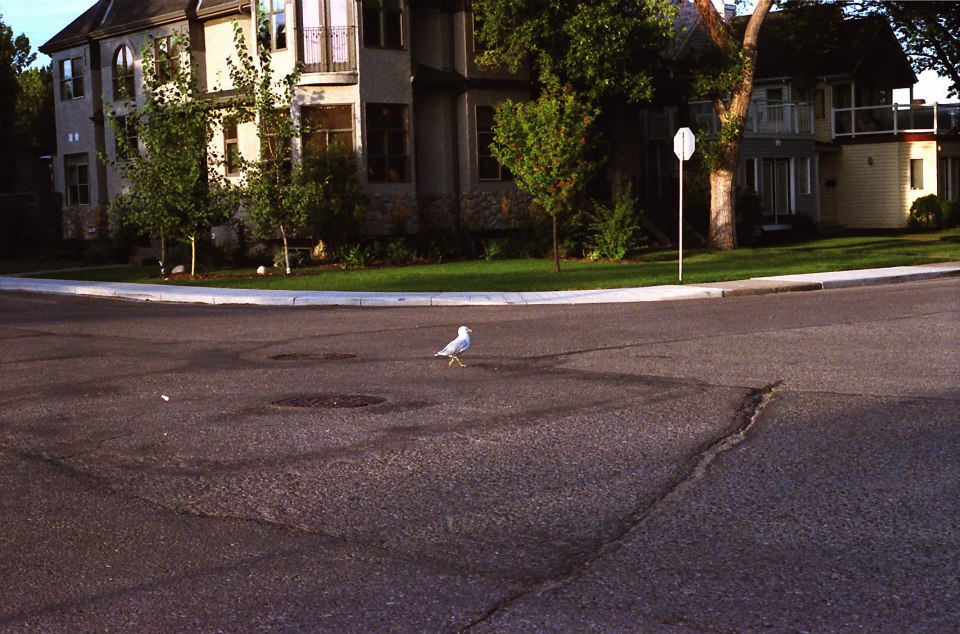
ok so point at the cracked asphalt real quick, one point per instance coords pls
(775, 463)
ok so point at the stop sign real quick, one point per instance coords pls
(683, 144)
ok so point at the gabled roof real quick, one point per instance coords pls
(792, 44)
(110, 17)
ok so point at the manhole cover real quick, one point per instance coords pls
(330, 401)
(313, 356)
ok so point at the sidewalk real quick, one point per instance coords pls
(755, 286)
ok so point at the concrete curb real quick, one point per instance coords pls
(232, 296)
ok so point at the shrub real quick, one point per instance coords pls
(494, 249)
(614, 232)
(926, 212)
(398, 251)
(356, 256)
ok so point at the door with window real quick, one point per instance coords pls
(776, 188)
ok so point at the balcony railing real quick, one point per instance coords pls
(896, 119)
(762, 118)
(330, 49)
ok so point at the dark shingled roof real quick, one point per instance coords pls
(107, 17)
(810, 46)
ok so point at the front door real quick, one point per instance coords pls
(775, 188)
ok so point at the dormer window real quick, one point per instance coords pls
(123, 84)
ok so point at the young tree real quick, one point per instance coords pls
(276, 197)
(174, 189)
(729, 88)
(543, 143)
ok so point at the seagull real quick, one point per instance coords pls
(455, 347)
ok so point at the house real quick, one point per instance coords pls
(394, 79)
(824, 135)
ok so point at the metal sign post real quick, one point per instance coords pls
(683, 146)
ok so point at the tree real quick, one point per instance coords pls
(543, 143)
(276, 197)
(729, 87)
(601, 47)
(174, 189)
(34, 115)
(15, 56)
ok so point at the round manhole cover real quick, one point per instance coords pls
(330, 401)
(313, 356)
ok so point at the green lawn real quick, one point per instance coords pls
(651, 269)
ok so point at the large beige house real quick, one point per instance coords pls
(395, 79)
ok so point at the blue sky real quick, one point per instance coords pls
(42, 19)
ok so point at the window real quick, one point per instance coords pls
(916, 173)
(488, 167)
(123, 85)
(167, 55)
(325, 126)
(388, 154)
(126, 141)
(478, 46)
(820, 103)
(231, 147)
(750, 174)
(383, 23)
(77, 176)
(774, 103)
(71, 78)
(803, 167)
(273, 24)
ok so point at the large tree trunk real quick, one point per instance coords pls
(723, 222)
(723, 228)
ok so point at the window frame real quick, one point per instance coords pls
(387, 37)
(388, 135)
(231, 148)
(122, 130)
(276, 23)
(124, 84)
(916, 174)
(331, 136)
(77, 193)
(484, 139)
(72, 82)
(166, 58)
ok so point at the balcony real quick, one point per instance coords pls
(896, 119)
(330, 49)
(763, 118)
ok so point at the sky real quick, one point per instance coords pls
(40, 20)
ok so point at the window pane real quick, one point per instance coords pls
(280, 30)
(916, 173)
(371, 25)
(393, 29)
(376, 143)
(489, 168)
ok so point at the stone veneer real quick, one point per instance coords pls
(478, 211)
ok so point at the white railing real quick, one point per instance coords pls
(779, 118)
(896, 119)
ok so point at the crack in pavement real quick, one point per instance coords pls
(747, 415)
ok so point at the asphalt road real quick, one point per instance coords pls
(779, 463)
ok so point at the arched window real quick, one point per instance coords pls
(123, 85)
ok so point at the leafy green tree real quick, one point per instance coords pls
(174, 189)
(544, 143)
(275, 196)
(601, 47)
(15, 57)
(336, 216)
(34, 114)
(728, 83)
